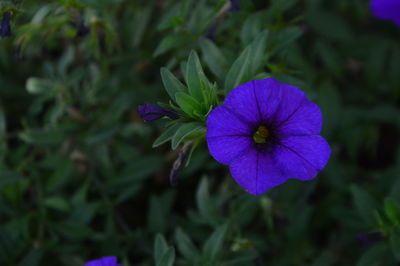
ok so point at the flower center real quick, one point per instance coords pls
(261, 135)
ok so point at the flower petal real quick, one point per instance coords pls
(225, 148)
(305, 120)
(386, 9)
(151, 112)
(256, 172)
(242, 101)
(106, 261)
(268, 95)
(302, 157)
(222, 121)
(291, 99)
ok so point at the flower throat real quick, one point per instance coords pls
(261, 135)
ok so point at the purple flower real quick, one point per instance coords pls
(106, 261)
(367, 239)
(267, 132)
(5, 28)
(387, 9)
(234, 6)
(150, 112)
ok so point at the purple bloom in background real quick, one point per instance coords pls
(5, 28)
(106, 261)
(387, 9)
(367, 239)
(267, 132)
(234, 6)
(151, 112)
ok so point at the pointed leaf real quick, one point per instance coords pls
(258, 52)
(168, 258)
(194, 74)
(171, 83)
(183, 132)
(213, 57)
(214, 243)
(166, 135)
(188, 104)
(185, 245)
(238, 73)
(160, 248)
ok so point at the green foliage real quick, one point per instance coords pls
(82, 176)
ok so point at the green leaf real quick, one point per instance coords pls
(365, 204)
(168, 43)
(213, 57)
(392, 211)
(39, 86)
(184, 131)
(194, 75)
(250, 29)
(43, 137)
(188, 104)
(168, 258)
(282, 39)
(185, 245)
(238, 73)
(213, 246)
(394, 241)
(160, 248)
(171, 83)
(257, 52)
(204, 203)
(166, 135)
(57, 203)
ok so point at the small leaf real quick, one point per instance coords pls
(214, 243)
(250, 29)
(257, 52)
(194, 74)
(160, 248)
(166, 135)
(238, 73)
(392, 211)
(168, 258)
(185, 245)
(168, 43)
(57, 203)
(188, 104)
(183, 132)
(171, 83)
(203, 201)
(38, 86)
(213, 57)
(43, 137)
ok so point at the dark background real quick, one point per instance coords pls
(79, 178)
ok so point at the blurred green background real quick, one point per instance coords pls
(79, 178)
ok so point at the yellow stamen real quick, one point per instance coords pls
(261, 134)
